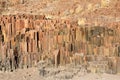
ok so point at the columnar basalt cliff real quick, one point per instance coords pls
(27, 39)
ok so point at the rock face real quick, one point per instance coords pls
(27, 39)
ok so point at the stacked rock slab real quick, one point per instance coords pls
(27, 39)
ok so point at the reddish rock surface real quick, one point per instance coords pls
(60, 32)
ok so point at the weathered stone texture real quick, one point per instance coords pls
(27, 39)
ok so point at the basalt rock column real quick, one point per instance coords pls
(57, 41)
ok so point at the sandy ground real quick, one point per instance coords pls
(21, 74)
(61, 73)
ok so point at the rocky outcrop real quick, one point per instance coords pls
(27, 39)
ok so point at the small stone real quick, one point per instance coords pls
(71, 11)
(78, 9)
(81, 21)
